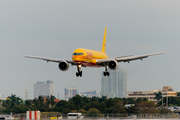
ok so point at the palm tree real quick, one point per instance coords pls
(158, 96)
(52, 102)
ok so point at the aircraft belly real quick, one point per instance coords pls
(88, 64)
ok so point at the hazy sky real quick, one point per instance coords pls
(54, 28)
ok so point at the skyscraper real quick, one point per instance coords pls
(69, 93)
(43, 89)
(115, 85)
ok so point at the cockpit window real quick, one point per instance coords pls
(78, 53)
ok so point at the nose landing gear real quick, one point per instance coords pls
(106, 72)
(79, 73)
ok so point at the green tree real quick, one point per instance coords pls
(139, 100)
(7, 103)
(131, 101)
(146, 107)
(86, 99)
(164, 110)
(64, 106)
(52, 102)
(101, 106)
(82, 111)
(39, 104)
(15, 100)
(145, 99)
(158, 96)
(118, 107)
(28, 102)
(109, 102)
(77, 101)
(102, 99)
(178, 94)
(93, 111)
(125, 101)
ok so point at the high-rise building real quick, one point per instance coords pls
(114, 85)
(69, 93)
(44, 88)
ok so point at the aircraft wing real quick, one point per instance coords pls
(126, 58)
(51, 59)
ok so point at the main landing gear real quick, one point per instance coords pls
(106, 72)
(79, 73)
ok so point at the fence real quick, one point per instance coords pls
(126, 116)
(108, 116)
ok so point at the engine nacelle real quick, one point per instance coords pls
(113, 64)
(63, 66)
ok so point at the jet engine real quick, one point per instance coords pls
(63, 66)
(113, 64)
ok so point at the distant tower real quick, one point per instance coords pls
(115, 85)
(26, 94)
(69, 93)
(44, 89)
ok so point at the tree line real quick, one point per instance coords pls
(87, 105)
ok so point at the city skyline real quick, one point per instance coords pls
(56, 28)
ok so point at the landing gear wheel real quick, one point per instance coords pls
(107, 73)
(77, 74)
(80, 73)
(104, 73)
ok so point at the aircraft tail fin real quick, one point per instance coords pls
(104, 41)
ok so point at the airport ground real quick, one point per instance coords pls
(56, 115)
(91, 108)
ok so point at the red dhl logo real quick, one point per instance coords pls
(89, 55)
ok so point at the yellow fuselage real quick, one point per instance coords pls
(88, 57)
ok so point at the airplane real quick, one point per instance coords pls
(90, 58)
